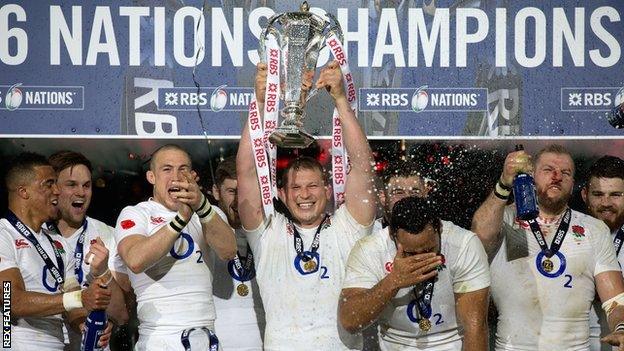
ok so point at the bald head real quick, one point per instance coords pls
(164, 148)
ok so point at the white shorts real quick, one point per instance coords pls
(198, 340)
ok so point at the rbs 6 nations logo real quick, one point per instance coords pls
(423, 99)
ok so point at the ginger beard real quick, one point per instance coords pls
(554, 181)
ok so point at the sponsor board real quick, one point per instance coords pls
(36, 97)
(216, 99)
(423, 99)
(591, 98)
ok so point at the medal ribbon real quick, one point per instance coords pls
(57, 273)
(264, 152)
(78, 253)
(424, 297)
(618, 240)
(299, 241)
(339, 154)
(271, 107)
(244, 265)
(212, 337)
(260, 159)
(562, 230)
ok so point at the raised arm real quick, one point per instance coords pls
(140, 251)
(472, 310)
(249, 196)
(488, 219)
(360, 198)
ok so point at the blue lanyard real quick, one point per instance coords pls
(57, 273)
(242, 267)
(214, 341)
(618, 239)
(78, 252)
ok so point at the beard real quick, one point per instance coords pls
(553, 204)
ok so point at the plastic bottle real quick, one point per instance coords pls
(525, 195)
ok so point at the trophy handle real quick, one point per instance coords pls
(270, 29)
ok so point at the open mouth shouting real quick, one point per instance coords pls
(78, 204)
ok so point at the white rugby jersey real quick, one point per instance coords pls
(598, 324)
(466, 270)
(176, 292)
(93, 229)
(537, 312)
(237, 315)
(302, 309)
(34, 333)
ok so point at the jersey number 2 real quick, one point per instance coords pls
(568, 283)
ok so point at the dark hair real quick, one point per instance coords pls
(21, 169)
(68, 159)
(225, 170)
(412, 214)
(304, 162)
(607, 167)
(400, 168)
(165, 148)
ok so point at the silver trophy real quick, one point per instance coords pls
(300, 36)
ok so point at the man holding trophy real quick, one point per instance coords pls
(301, 256)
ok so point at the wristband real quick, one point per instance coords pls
(500, 191)
(619, 327)
(110, 278)
(205, 209)
(177, 223)
(504, 186)
(72, 300)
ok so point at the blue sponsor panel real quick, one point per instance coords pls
(215, 99)
(591, 99)
(29, 97)
(423, 99)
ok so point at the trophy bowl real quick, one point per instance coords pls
(300, 37)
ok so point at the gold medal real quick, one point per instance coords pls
(548, 265)
(309, 266)
(424, 324)
(242, 289)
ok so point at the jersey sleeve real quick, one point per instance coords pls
(130, 222)
(361, 273)
(350, 228)
(604, 252)
(471, 271)
(7, 250)
(254, 236)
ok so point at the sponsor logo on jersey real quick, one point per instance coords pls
(21, 244)
(157, 220)
(127, 224)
